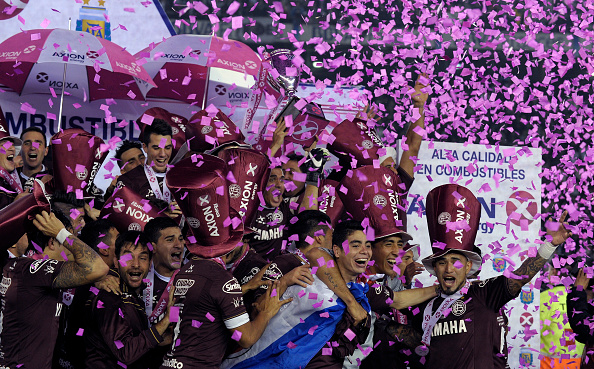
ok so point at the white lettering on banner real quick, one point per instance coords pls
(394, 204)
(210, 221)
(70, 56)
(133, 68)
(59, 84)
(460, 216)
(10, 54)
(96, 167)
(173, 363)
(231, 64)
(138, 214)
(232, 286)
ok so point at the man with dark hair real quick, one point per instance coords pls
(71, 206)
(168, 245)
(118, 331)
(101, 236)
(31, 293)
(129, 155)
(33, 152)
(148, 180)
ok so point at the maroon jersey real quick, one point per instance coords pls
(282, 265)
(136, 181)
(270, 226)
(248, 267)
(210, 304)
(117, 331)
(30, 305)
(470, 335)
(7, 195)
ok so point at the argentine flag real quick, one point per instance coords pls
(299, 330)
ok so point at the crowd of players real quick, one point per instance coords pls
(190, 256)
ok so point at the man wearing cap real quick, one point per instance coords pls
(10, 184)
(117, 330)
(459, 325)
(168, 245)
(31, 292)
(33, 153)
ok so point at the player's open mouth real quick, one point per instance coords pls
(391, 262)
(161, 161)
(10, 157)
(32, 156)
(176, 257)
(362, 261)
(449, 281)
(135, 276)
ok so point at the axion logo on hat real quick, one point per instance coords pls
(75, 160)
(128, 211)
(453, 217)
(329, 202)
(375, 193)
(206, 131)
(250, 170)
(200, 188)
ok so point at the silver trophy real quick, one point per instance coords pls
(286, 85)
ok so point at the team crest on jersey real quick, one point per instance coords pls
(459, 308)
(527, 295)
(526, 357)
(499, 263)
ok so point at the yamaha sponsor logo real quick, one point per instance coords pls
(380, 200)
(193, 222)
(449, 327)
(443, 218)
(232, 286)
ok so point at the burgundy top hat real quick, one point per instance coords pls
(4, 133)
(354, 138)
(454, 206)
(374, 193)
(206, 131)
(329, 201)
(248, 173)
(177, 122)
(77, 157)
(415, 249)
(199, 186)
(128, 211)
(16, 219)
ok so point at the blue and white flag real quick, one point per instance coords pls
(299, 330)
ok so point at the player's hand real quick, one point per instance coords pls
(300, 275)
(257, 281)
(109, 283)
(357, 312)
(420, 98)
(48, 224)
(173, 210)
(368, 113)
(412, 270)
(582, 279)
(557, 232)
(278, 137)
(271, 303)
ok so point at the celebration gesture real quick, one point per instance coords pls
(419, 97)
(557, 232)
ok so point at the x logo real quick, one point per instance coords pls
(92, 54)
(362, 126)
(42, 77)
(250, 64)
(460, 202)
(98, 154)
(29, 49)
(118, 206)
(252, 170)
(387, 180)
(326, 189)
(176, 120)
(220, 90)
(522, 207)
(204, 200)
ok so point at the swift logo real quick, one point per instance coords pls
(232, 286)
